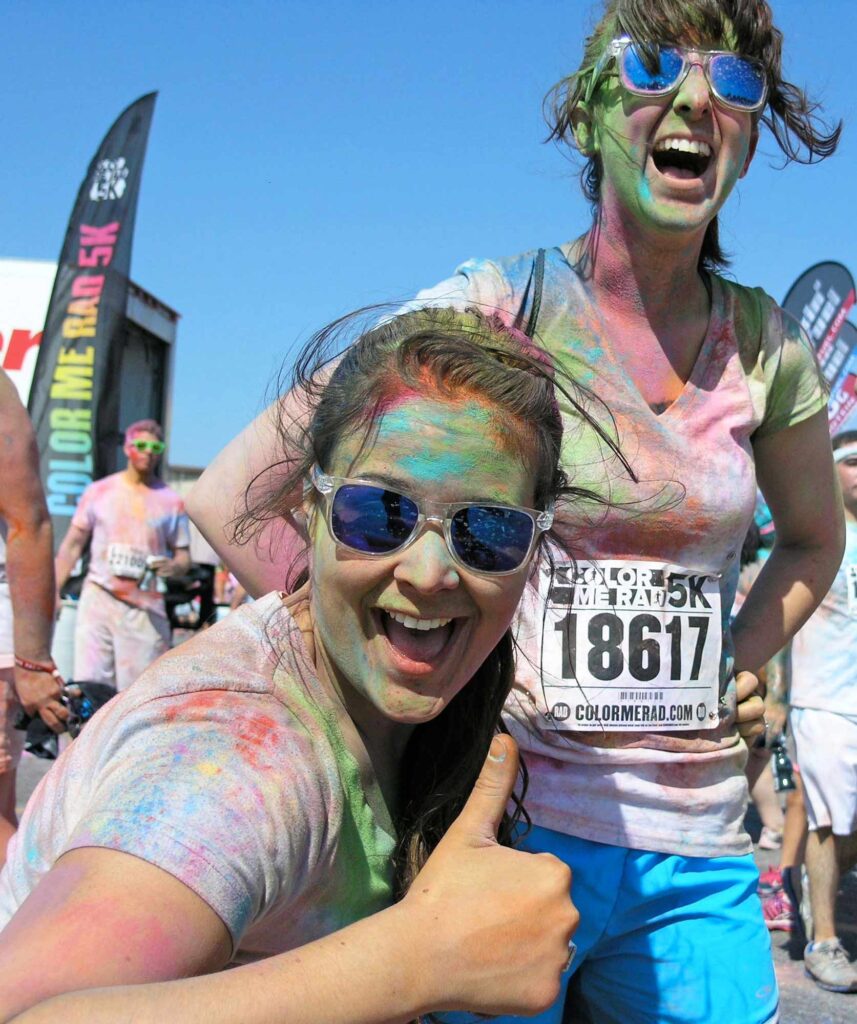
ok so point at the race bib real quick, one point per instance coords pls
(126, 560)
(631, 646)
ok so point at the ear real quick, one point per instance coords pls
(584, 134)
(751, 151)
(306, 515)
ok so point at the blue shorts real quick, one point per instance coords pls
(662, 939)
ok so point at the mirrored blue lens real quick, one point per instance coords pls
(736, 80)
(654, 71)
(490, 538)
(372, 519)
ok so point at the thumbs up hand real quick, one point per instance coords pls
(497, 921)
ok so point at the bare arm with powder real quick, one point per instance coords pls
(795, 471)
(29, 557)
(219, 495)
(475, 910)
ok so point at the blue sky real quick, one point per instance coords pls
(307, 158)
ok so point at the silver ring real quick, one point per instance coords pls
(572, 950)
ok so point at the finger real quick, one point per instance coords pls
(746, 684)
(481, 816)
(751, 710)
(50, 716)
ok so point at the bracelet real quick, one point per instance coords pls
(37, 666)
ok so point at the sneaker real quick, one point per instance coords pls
(770, 839)
(778, 912)
(828, 965)
(770, 881)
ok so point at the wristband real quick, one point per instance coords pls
(37, 666)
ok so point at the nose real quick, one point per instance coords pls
(427, 565)
(693, 96)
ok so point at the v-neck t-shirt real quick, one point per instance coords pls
(225, 766)
(673, 790)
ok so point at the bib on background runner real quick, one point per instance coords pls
(630, 646)
(126, 561)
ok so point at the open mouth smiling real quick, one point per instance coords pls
(681, 158)
(416, 640)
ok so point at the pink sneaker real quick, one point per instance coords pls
(770, 881)
(770, 839)
(778, 912)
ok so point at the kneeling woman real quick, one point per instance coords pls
(263, 793)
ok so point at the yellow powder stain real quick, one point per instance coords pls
(208, 768)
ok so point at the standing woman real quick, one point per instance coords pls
(626, 702)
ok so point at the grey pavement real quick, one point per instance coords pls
(801, 1000)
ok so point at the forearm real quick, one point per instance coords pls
(29, 563)
(220, 495)
(67, 557)
(786, 592)
(370, 973)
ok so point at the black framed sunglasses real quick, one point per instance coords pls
(485, 538)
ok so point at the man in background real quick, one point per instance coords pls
(138, 530)
(28, 676)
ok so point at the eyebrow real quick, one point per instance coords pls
(402, 485)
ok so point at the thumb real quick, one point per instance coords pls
(481, 815)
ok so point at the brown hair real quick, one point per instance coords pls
(748, 25)
(144, 427)
(449, 354)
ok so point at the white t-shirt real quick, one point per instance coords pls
(824, 652)
(224, 765)
(618, 750)
(128, 523)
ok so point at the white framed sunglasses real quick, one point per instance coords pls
(483, 537)
(735, 81)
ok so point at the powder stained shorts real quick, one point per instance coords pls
(827, 751)
(662, 939)
(114, 641)
(11, 740)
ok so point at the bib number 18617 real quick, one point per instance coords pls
(611, 647)
(631, 646)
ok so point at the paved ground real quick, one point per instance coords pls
(802, 1001)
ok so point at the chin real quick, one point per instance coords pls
(410, 709)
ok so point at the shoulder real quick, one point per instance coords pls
(762, 327)
(100, 489)
(493, 284)
(215, 731)
(238, 655)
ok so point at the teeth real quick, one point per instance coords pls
(683, 146)
(412, 623)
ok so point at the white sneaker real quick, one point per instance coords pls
(828, 965)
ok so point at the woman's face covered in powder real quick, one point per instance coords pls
(364, 609)
(669, 162)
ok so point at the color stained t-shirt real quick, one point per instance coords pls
(224, 766)
(128, 523)
(624, 695)
(824, 651)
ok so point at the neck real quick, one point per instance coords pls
(642, 275)
(136, 478)
(377, 742)
(850, 512)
